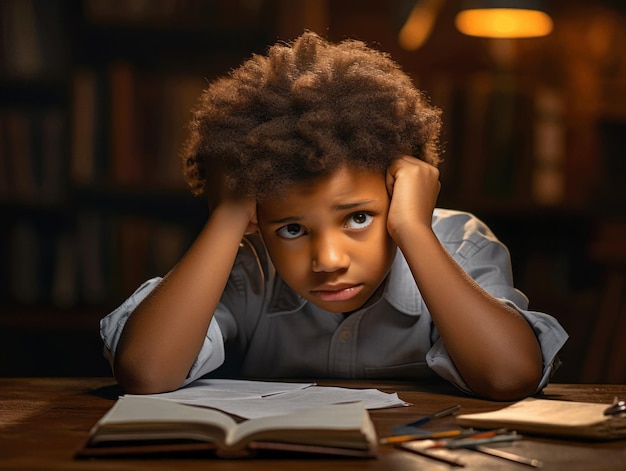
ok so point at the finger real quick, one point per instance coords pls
(389, 181)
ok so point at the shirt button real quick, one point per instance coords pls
(345, 336)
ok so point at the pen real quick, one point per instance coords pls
(422, 436)
(533, 462)
(473, 442)
(436, 415)
(471, 435)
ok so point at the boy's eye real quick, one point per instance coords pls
(359, 220)
(290, 231)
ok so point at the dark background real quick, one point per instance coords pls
(95, 95)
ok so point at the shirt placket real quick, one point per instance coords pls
(342, 356)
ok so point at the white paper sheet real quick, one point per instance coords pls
(229, 389)
(253, 399)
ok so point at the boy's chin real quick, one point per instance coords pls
(338, 307)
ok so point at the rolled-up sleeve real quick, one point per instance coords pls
(550, 334)
(210, 357)
(488, 262)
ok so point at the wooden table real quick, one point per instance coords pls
(44, 420)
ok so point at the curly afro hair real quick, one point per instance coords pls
(304, 110)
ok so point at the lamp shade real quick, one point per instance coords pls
(503, 19)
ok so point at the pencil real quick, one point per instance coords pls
(532, 462)
(442, 413)
(445, 459)
(471, 435)
(473, 442)
(422, 436)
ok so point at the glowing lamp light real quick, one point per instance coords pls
(504, 19)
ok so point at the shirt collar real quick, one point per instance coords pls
(399, 290)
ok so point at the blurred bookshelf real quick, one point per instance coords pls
(95, 96)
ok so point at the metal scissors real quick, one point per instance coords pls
(618, 408)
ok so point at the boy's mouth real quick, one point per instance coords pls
(337, 293)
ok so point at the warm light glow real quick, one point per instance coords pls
(504, 23)
(419, 24)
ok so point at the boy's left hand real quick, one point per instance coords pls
(413, 186)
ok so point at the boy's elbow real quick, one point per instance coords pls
(135, 385)
(508, 390)
(511, 385)
(142, 379)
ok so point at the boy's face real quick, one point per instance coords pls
(328, 237)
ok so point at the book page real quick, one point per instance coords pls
(334, 425)
(149, 418)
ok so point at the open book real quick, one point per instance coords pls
(140, 425)
(551, 417)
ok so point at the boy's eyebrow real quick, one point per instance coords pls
(356, 204)
(287, 220)
(335, 207)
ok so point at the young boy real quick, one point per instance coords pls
(324, 255)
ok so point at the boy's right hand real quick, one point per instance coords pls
(246, 207)
(220, 196)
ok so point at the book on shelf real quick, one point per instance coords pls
(85, 122)
(32, 159)
(92, 243)
(25, 263)
(35, 41)
(21, 158)
(53, 156)
(137, 425)
(126, 165)
(179, 94)
(551, 417)
(474, 135)
(23, 48)
(63, 286)
(132, 246)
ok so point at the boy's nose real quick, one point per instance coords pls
(328, 255)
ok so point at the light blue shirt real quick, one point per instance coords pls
(270, 331)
